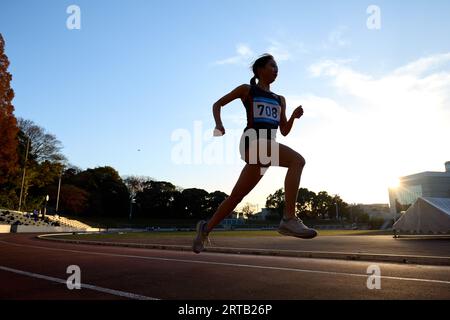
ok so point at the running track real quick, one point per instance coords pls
(31, 268)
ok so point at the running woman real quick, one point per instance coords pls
(266, 112)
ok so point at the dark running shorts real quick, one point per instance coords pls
(249, 149)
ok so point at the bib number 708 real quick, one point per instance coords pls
(269, 111)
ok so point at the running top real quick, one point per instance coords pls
(263, 110)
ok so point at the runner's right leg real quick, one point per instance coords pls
(295, 163)
(291, 225)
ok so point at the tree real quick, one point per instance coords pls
(276, 201)
(44, 146)
(322, 204)
(73, 200)
(304, 203)
(247, 210)
(189, 203)
(309, 204)
(158, 199)
(342, 207)
(357, 214)
(8, 132)
(70, 172)
(135, 184)
(108, 194)
(44, 164)
(213, 201)
(39, 180)
(195, 202)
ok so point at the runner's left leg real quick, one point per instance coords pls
(249, 178)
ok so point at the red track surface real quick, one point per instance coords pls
(183, 275)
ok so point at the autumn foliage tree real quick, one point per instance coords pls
(8, 132)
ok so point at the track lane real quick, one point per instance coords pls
(183, 275)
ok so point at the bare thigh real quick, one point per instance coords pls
(289, 157)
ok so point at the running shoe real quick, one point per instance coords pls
(294, 227)
(202, 236)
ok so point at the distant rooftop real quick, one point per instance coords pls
(426, 174)
(445, 173)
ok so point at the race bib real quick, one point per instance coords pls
(266, 110)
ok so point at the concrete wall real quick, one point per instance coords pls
(34, 229)
(5, 228)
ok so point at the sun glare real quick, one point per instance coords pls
(394, 183)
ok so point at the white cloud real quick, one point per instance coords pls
(279, 51)
(378, 129)
(244, 51)
(423, 65)
(244, 55)
(336, 38)
(286, 50)
(328, 67)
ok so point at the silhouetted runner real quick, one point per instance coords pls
(266, 112)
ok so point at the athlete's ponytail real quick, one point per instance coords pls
(260, 63)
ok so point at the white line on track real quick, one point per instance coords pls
(85, 286)
(230, 264)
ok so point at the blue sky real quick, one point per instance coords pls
(138, 71)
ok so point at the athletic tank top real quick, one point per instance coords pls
(263, 110)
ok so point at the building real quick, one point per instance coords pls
(232, 220)
(426, 216)
(265, 214)
(230, 223)
(424, 184)
(376, 210)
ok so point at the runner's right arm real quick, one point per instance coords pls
(240, 92)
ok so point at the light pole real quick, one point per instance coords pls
(59, 189)
(23, 177)
(132, 200)
(45, 207)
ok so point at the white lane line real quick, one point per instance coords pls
(86, 286)
(231, 264)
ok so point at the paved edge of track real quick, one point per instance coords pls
(403, 259)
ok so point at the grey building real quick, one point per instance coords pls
(424, 184)
(377, 210)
